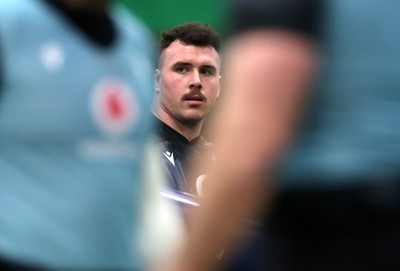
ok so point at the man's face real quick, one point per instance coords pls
(188, 81)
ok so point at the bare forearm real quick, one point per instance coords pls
(266, 82)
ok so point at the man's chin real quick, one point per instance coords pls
(192, 120)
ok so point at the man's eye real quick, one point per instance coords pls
(181, 69)
(207, 72)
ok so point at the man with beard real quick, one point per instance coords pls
(187, 84)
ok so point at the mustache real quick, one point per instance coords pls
(194, 95)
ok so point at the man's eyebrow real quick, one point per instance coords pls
(179, 63)
(187, 64)
(209, 67)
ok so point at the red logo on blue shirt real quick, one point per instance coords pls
(114, 107)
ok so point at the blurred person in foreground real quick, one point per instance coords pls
(76, 85)
(338, 200)
(187, 84)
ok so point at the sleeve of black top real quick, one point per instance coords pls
(297, 15)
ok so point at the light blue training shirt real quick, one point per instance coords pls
(73, 123)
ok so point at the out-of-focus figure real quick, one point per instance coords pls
(338, 205)
(76, 88)
(187, 85)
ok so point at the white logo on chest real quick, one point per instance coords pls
(52, 56)
(200, 184)
(170, 157)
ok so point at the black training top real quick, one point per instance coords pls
(178, 153)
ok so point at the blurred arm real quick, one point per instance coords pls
(268, 75)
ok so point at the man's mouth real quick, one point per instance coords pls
(194, 98)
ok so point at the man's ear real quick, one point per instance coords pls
(219, 87)
(157, 80)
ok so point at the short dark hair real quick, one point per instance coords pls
(193, 33)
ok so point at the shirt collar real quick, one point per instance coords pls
(168, 133)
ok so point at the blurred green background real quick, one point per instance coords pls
(161, 15)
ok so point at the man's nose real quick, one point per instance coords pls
(195, 80)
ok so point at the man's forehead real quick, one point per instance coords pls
(178, 51)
